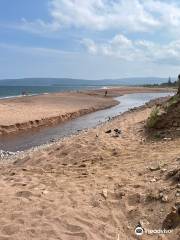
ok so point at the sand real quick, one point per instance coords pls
(28, 112)
(93, 186)
(34, 111)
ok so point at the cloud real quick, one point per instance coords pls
(104, 15)
(42, 51)
(138, 50)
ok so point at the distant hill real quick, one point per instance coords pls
(70, 81)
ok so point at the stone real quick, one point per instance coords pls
(167, 139)
(153, 180)
(155, 168)
(108, 131)
(116, 130)
(161, 194)
(165, 198)
(172, 220)
(105, 193)
(82, 165)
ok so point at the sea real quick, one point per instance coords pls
(16, 91)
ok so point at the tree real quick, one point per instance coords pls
(169, 82)
(178, 84)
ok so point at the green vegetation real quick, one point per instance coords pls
(169, 83)
(175, 99)
(151, 121)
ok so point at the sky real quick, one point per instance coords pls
(89, 39)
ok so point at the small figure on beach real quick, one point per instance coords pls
(24, 93)
(106, 92)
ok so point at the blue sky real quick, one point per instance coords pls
(90, 39)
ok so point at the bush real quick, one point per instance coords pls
(151, 121)
(175, 99)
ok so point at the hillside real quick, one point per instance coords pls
(70, 81)
(165, 118)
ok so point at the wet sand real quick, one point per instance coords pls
(28, 112)
(93, 186)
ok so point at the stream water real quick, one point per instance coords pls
(35, 137)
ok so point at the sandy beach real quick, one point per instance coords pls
(97, 185)
(28, 112)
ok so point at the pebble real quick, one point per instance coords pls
(167, 139)
(165, 198)
(116, 130)
(108, 131)
(105, 193)
(155, 168)
(153, 180)
(5, 154)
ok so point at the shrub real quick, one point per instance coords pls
(151, 121)
(175, 99)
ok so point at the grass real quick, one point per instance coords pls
(172, 101)
(151, 121)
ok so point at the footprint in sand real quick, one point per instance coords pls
(24, 194)
(10, 229)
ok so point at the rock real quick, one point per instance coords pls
(82, 165)
(174, 209)
(161, 194)
(153, 180)
(155, 168)
(116, 130)
(108, 131)
(6, 154)
(165, 198)
(177, 203)
(105, 193)
(172, 220)
(175, 174)
(167, 139)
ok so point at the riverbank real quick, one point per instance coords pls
(97, 185)
(29, 112)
